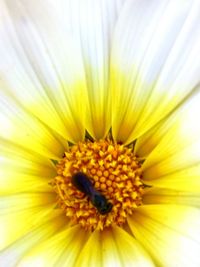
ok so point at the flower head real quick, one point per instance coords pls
(99, 140)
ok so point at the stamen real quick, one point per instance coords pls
(108, 170)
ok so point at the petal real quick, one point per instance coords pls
(148, 141)
(174, 163)
(168, 196)
(26, 131)
(21, 213)
(61, 249)
(19, 202)
(92, 22)
(22, 171)
(45, 62)
(152, 68)
(12, 254)
(170, 233)
(113, 247)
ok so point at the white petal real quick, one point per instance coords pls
(154, 63)
(42, 66)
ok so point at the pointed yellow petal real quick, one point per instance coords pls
(26, 131)
(11, 204)
(18, 217)
(186, 179)
(168, 196)
(22, 171)
(152, 68)
(93, 26)
(12, 254)
(46, 73)
(61, 249)
(174, 161)
(91, 254)
(130, 251)
(113, 247)
(148, 141)
(170, 233)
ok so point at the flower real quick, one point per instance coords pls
(99, 140)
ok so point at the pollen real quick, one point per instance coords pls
(114, 171)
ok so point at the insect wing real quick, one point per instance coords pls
(82, 183)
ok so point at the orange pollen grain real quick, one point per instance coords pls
(113, 170)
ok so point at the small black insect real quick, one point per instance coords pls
(82, 183)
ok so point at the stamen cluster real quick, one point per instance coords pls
(114, 171)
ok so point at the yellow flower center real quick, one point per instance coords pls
(112, 170)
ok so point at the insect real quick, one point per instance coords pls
(83, 184)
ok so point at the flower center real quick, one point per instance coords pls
(109, 170)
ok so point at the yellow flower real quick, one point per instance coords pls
(100, 133)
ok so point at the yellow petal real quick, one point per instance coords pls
(152, 68)
(113, 247)
(174, 161)
(46, 73)
(93, 26)
(61, 249)
(11, 204)
(167, 196)
(22, 171)
(22, 213)
(12, 254)
(91, 254)
(185, 180)
(170, 233)
(148, 141)
(26, 131)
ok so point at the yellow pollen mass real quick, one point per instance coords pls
(114, 172)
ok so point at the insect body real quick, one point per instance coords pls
(83, 183)
(100, 202)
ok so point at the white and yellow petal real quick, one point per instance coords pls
(154, 67)
(93, 22)
(146, 143)
(26, 131)
(41, 65)
(23, 171)
(26, 200)
(11, 256)
(21, 213)
(170, 233)
(170, 196)
(61, 249)
(113, 247)
(174, 161)
(47, 45)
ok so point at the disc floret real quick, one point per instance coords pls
(113, 170)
